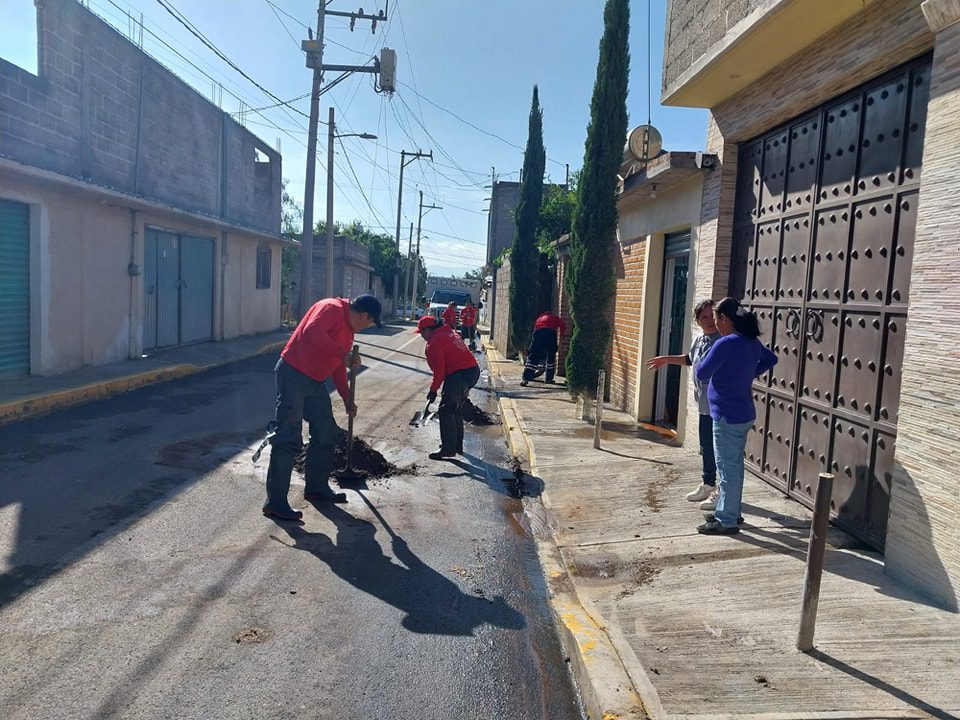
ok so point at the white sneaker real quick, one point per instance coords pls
(701, 493)
(711, 502)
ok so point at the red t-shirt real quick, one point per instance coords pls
(450, 316)
(551, 321)
(446, 354)
(468, 316)
(320, 341)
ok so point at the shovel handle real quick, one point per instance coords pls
(354, 359)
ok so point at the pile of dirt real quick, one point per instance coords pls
(365, 458)
(475, 416)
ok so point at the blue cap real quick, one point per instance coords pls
(369, 304)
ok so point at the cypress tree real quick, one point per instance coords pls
(591, 281)
(525, 256)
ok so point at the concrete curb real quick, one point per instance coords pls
(605, 685)
(34, 405)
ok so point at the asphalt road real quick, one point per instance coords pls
(138, 578)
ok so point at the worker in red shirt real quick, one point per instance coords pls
(317, 351)
(455, 367)
(450, 315)
(468, 325)
(542, 353)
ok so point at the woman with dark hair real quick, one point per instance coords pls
(731, 366)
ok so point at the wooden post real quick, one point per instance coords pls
(815, 553)
(598, 414)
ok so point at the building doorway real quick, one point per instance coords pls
(673, 314)
(824, 224)
(178, 289)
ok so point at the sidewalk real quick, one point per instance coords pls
(705, 627)
(34, 395)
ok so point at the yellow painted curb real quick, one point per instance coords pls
(40, 404)
(605, 684)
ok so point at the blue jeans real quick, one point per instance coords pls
(706, 450)
(299, 398)
(729, 440)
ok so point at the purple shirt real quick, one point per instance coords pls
(731, 366)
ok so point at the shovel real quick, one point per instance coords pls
(349, 473)
(271, 431)
(422, 417)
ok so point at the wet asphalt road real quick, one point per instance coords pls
(138, 578)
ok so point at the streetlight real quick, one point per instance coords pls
(331, 136)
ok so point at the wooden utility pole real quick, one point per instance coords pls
(331, 134)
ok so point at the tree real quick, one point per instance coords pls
(525, 256)
(556, 214)
(291, 222)
(478, 274)
(591, 280)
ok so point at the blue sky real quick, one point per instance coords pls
(478, 60)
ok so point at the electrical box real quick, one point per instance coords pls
(312, 48)
(388, 70)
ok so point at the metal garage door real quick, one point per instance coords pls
(14, 288)
(823, 241)
(178, 289)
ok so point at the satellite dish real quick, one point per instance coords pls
(643, 143)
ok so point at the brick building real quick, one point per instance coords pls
(134, 214)
(833, 213)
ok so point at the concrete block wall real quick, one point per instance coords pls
(625, 340)
(103, 111)
(695, 26)
(501, 313)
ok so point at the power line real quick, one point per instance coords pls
(179, 17)
(470, 124)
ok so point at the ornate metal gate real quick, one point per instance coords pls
(824, 223)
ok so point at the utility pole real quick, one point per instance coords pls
(385, 68)
(306, 240)
(416, 266)
(331, 128)
(406, 279)
(403, 163)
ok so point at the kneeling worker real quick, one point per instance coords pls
(320, 348)
(455, 367)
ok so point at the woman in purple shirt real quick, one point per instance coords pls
(731, 366)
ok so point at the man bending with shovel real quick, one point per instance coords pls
(320, 348)
(455, 367)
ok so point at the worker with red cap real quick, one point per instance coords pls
(542, 353)
(450, 315)
(468, 325)
(454, 367)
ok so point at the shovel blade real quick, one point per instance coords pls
(417, 417)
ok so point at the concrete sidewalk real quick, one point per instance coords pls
(705, 627)
(35, 395)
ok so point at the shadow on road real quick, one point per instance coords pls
(433, 604)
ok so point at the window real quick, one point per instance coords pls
(264, 258)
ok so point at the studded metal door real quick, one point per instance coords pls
(824, 225)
